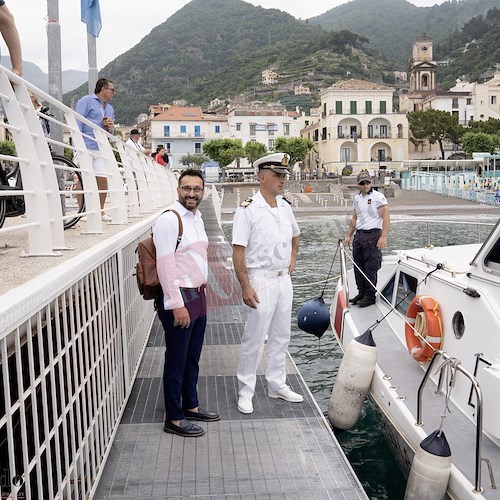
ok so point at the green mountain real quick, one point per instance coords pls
(393, 25)
(218, 48)
(473, 51)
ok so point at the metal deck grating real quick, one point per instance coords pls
(281, 451)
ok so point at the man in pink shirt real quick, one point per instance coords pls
(182, 309)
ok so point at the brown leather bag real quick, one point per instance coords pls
(145, 270)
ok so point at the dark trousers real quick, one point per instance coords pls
(368, 257)
(182, 354)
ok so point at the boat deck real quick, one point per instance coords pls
(281, 450)
(394, 361)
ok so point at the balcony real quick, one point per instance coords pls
(354, 136)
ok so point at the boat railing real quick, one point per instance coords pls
(429, 224)
(479, 414)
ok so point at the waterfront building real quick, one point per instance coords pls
(263, 122)
(468, 101)
(182, 130)
(357, 124)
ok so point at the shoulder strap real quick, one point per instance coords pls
(181, 227)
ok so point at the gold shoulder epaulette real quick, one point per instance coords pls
(246, 202)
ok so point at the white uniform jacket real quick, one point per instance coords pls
(266, 233)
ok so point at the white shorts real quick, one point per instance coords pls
(98, 164)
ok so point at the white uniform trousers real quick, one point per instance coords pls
(272, 318)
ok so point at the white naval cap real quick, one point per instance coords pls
(277, 162)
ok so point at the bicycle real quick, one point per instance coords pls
(73, 204)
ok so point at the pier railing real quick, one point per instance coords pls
(71, 339)
(70, 345)
(136, 183)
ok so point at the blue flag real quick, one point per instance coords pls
(91, 16)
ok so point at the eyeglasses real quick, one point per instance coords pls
(112, 89)
(364, 183)
(188, 189)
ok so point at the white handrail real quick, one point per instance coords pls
(136, 184)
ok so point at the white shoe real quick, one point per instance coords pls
(287, 394)
(106, 218)
(245, 405)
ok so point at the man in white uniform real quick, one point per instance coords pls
(265, 245)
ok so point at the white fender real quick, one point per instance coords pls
(430, 469)
(353, 381)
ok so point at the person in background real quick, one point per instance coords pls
(265, 245)
(160, 156)
(97, 108)
(11, 37)
(182, 309)
(135, 142)
(371, 221)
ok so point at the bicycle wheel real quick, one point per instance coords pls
(17, 205)
(73, 204)
(3, 201)
(3, 210)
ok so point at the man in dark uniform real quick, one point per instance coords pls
(371, 221)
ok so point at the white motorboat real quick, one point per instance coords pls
(436, 324)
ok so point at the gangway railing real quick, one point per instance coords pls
(137, 185)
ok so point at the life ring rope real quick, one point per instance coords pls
(422, 345)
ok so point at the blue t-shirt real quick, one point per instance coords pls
(91, 107)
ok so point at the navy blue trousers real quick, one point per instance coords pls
(182, 354)
(368, 257)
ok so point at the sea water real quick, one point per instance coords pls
(316, 275)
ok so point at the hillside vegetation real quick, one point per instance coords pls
(218, 49)
(393, 25)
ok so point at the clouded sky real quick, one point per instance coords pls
(125, 23)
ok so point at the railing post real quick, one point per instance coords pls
(39, 232)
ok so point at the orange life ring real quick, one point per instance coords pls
(423, 315)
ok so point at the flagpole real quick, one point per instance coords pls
(92, 56)
(54, 66)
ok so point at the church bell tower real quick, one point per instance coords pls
(422, 67)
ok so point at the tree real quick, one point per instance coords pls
(479, 142)
(8, 148)
(194, 160)
(490, 126)
(254, 150)
(435, 126)
(296, 147)
(224, 151)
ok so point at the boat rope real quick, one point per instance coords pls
(393, 309)
(331, 267)
(448, 371)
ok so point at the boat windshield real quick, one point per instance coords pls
(493, 258)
